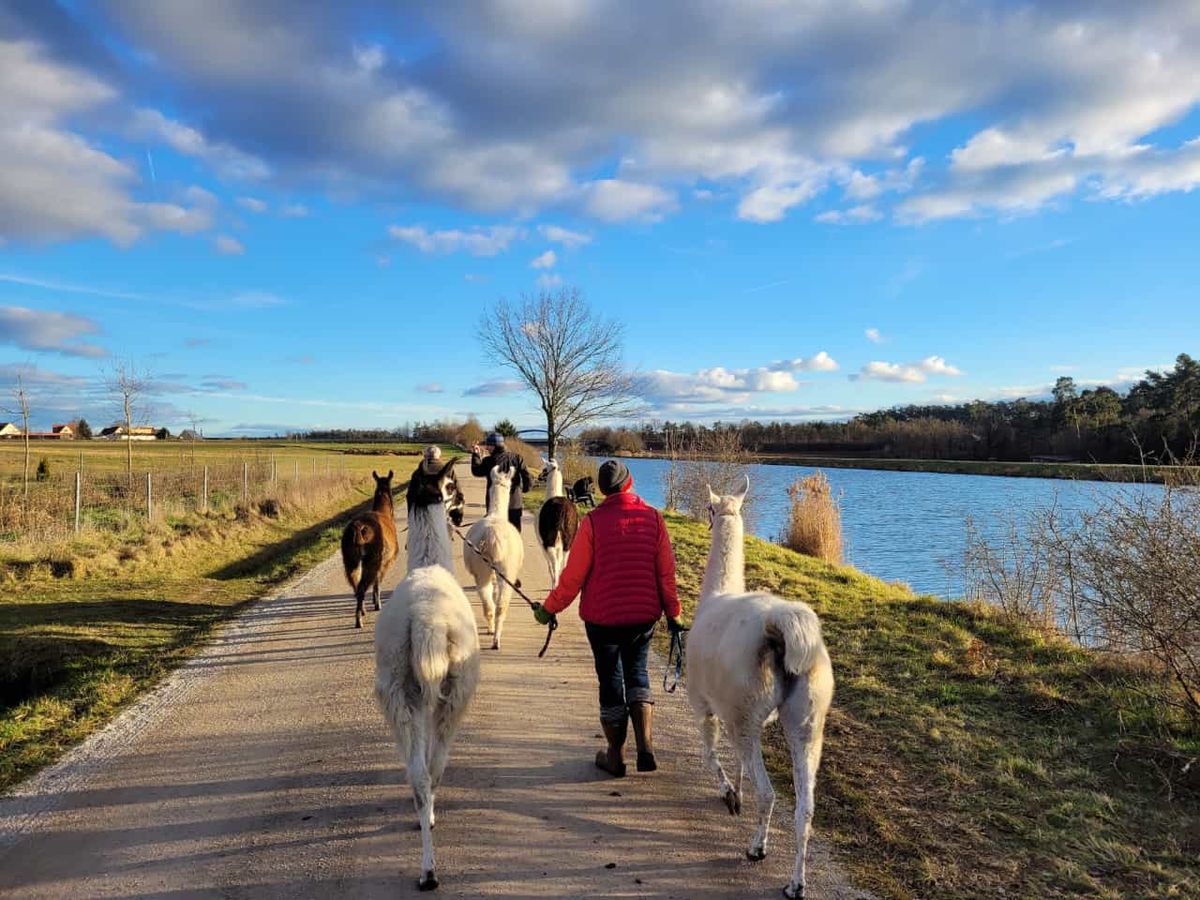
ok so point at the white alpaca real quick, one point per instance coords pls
(558, 520)
(750, 657)
(500, 544)
(426, 654)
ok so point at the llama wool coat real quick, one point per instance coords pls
(622, 560)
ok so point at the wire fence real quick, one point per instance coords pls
(68, 503)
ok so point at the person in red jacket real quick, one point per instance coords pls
(622, 560)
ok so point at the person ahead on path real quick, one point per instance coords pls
(481, 467)
(622, 560)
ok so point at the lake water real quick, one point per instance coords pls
(904, 526)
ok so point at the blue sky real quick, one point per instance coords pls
(294, 217)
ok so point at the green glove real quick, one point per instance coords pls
(675, 626)
(543, 616)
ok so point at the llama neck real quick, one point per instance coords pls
(498, 499)
(429, 538)
(554, 484)
(726, 569)
(383, 502)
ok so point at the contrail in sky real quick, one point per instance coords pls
(150, 160)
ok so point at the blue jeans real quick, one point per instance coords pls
(621, 653)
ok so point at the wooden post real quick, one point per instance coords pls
(245, 481)
(204, 496)
(274, 471)
(149, 498)
(297, 476)
(78, 497)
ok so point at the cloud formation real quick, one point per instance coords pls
(912, 373)
(668, 391)
(498, 387)
(476, 241)
(51, 332)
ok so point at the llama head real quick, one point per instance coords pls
(427, 490)
(502, 478)
(452, 496)
(727, 504)
(548, 466)
(383, 483)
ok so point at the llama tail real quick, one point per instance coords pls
(355, 537)
(429, 656)
(794, 634)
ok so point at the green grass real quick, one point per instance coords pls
(88, 625)
(970, 756)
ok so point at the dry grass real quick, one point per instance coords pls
(815, 523)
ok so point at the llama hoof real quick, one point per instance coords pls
(358, 623)
(377, 606)
(495, 645)
(733, 802)
(427, 882)
(794, 892)
(756, 854)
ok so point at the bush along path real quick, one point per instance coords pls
(263, 768)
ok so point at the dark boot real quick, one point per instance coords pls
(612, 760)
(642, 715)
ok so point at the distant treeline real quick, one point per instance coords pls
(1159, 418)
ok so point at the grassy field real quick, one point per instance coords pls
(968, 756)
(87, 623)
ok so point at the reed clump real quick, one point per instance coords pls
(815, 522)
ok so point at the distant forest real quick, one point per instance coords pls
(1158, 419)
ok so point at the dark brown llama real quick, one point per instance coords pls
(369, 545)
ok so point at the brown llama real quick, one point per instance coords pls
(369, 545)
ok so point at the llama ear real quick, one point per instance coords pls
(712, 498)
(391, 474)
(740, 494)
(374, 474)
(446, 469)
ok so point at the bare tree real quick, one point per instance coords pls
(566, 354)
(21, 408)
(128, 386)
(193, 420)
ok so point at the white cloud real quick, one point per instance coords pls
(873, 335)
(572, 240)
(228, 246)
(549, 281)
(54, 183)
(253, 204)
(614, 200)
(294, 211)
(477, 241)
(432, 387)
(545, 260)
(47, 331)
(911, 373)
(855, 214)
(229, 161)
(498, 387)
(722, 385)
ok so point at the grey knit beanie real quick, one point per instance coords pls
(613, 476)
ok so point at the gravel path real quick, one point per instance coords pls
(262, 769)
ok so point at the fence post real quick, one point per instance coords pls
(314, 467)
(245, 482)
(274, 471)
(297, 477)
(78, 492)
(204, 496)
(149, 498)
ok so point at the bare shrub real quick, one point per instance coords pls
(1122, 577)
(815, 522)
(715, 459)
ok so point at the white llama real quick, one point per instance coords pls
(558, 520)
(501, 545)
(750, 657)
(426, 653)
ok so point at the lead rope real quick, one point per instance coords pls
(674, 652)
(551, 628)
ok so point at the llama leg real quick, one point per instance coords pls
(503, 594)
(360, 595)
(709, 727)
(751, 755)
(375, 594)
(485, 589)
(804, 742)
(418, 777)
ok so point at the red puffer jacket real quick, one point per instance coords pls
(622, 559)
